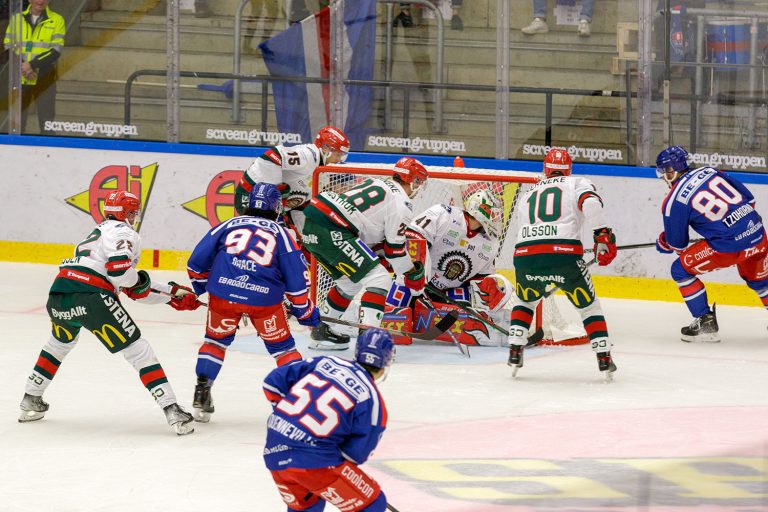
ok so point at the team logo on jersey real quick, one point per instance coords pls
(217, 205)
(132, 178)
(455, 266)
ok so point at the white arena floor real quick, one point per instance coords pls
(682, 427)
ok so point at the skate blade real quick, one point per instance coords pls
(514, 371)
(182, 429)
(607, 376)
(327, 345)
(27, 416)
(702, 338)
(201, 416)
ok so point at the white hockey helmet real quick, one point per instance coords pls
(483, 206)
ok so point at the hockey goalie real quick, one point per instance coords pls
(454, 251)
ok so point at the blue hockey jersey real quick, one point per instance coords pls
(325, 410)
(717, 206)
(249, 260)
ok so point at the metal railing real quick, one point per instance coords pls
(406, 87)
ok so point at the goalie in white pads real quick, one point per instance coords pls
(549, 251)
(85, 294)
(454, 250)
(341, 229)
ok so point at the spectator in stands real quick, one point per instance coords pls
(405, 19)
(539, 23)
(40, 44)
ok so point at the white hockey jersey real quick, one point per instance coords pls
(379, 211)
(455, 256)
(292, 165)
(107, 257)
(552, 213)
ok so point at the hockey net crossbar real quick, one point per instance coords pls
(451, 186)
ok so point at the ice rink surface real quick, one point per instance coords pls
(682, 427)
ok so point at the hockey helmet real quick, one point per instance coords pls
(557, 163)
(375, 348)
(410, 171)
(671, 164)
(265, 197)
(332, 142)
(482, 205)
(122, 206)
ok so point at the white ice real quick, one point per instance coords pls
(682, 427)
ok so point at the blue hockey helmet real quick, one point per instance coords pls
(265, 197)
(375, 348)
(671, 164)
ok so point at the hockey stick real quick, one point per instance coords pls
(642, 246)
(470, 312)
(167, 294)
(430, 334)
(533, 339)
(462, 348)
(391, 508)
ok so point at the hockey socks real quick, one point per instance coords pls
(48, 363)
(692, 290)
(210, 358)
(141, 356)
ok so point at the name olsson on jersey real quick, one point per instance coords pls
(546, 230)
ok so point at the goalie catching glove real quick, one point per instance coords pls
(307, 314)
(183, 298)
(491, 293)
(605, 246)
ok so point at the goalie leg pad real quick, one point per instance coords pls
(399, 319)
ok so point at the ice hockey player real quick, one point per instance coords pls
(291, 168)
(85, 294)
(722, 210)
(312, 461)
(548, 250)
(248, 265)
(340, 230)
(457, 247)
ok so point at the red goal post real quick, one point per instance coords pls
(451, 186)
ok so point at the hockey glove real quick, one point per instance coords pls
(183, 298)
(662, 246)
(493, 292)
(307, 314)
(142, 287)
(605, 246)
(416, 278)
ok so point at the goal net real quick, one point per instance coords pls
(452, 186)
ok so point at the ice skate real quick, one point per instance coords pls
(323, 338)
(202, 404)
(180, 420)
(32, 408)
(515, 358)
(703, 329)
(606, 365)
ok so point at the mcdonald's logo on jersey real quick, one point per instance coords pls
(133, 178)
(58, 330)
(525, 293)
(576, 293)
(218, 203)
(104, 336)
